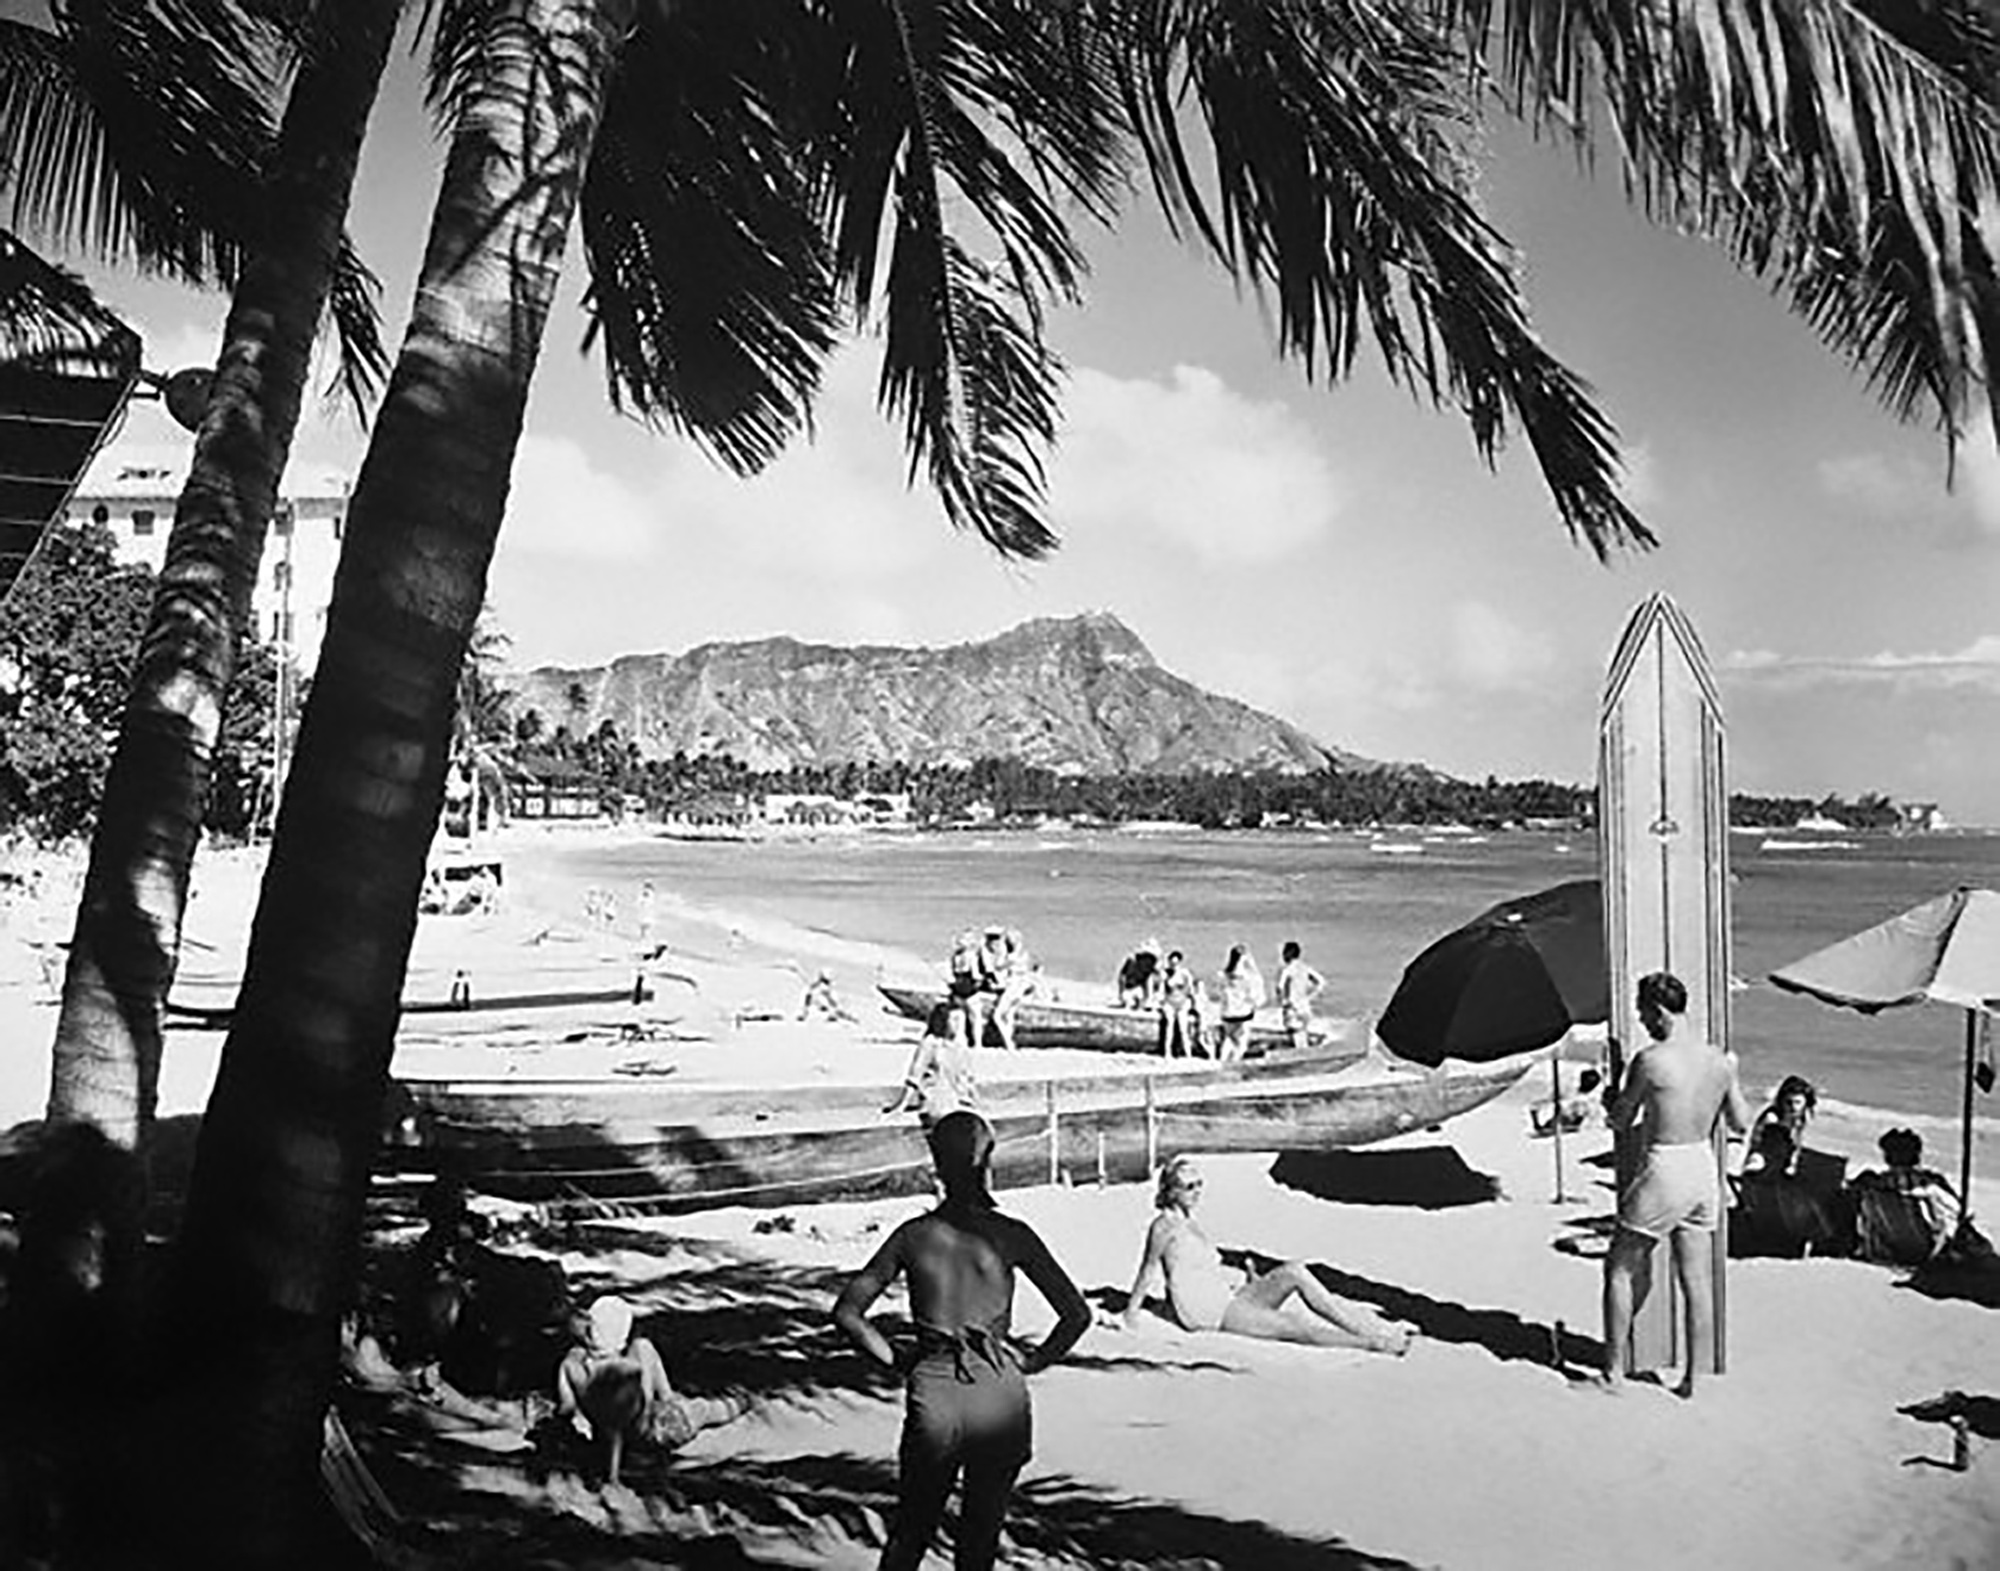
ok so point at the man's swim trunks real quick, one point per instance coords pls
(1675, 1187)
(967, 1402)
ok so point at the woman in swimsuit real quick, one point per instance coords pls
(1206, 1295)
(967, 1392)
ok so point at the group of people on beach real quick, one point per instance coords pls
(1198, 1021)
(1792, 1200)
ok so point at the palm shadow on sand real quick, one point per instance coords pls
(730, 1323)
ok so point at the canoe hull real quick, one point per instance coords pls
(1097, 1028)
(624, 1143)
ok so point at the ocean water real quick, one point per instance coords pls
(1084, 899)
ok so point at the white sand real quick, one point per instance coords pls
(1473, 1452)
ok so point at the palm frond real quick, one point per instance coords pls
(49, 319)
(965, 365)
(353, 305)
(139, 134)
(1335, 185)
(1848, 153)
(157, 154)
(711, 290)
(944, 129)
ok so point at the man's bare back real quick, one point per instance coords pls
(1677, 1088)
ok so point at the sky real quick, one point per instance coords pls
(1337, 556)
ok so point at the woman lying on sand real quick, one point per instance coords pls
(1206, 1295)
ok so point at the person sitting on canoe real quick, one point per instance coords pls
(1139, 977)
(614, 1388)
(1285, 1304)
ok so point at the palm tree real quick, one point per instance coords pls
(786, 139)
(130, 131)
(283, 225)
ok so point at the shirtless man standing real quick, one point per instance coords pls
(1675, 1088)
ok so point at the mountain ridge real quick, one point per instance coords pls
(1079, 694)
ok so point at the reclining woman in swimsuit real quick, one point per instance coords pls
(1206, 1295)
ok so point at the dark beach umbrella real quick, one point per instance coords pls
(1946, 950)
(1512, 979)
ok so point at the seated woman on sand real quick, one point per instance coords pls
(1791, 1110)
(1206, 1295)
(614, 1388)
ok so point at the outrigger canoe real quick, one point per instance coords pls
(670, 1135)
(1100, 1028)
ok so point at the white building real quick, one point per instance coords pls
(135, 497)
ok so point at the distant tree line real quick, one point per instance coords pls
(1013, 791)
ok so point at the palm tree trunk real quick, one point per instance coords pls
(108, 1038)
(127, 940)
(270, 1244)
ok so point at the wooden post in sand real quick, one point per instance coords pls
(1055, 1138)
(1663, 841)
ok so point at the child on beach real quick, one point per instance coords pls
(1206, 1295)
(967, 1389)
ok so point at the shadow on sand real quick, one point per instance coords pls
(1433, 1178)
(1501, 1332)
(760, 1329)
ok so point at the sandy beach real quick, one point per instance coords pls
(1484, 1448)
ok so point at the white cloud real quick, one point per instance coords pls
(1977, 665)
(1978, 474)
(1641, 482)
(1905, 490)
(1238, 482)
(1491, 652)
(1878, 484)
(561, 503)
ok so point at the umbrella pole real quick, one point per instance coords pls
(1556, 1101)
(1965, 1122)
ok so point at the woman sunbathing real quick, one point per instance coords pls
(1206, 1295)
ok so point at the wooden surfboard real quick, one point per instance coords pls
(1663, 832)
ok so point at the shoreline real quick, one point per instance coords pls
(751, 964)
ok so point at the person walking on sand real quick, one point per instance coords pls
(1206, 1295)
(967, 1388)
(1242, 990)
(1298, 985)
(1675, 1088)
